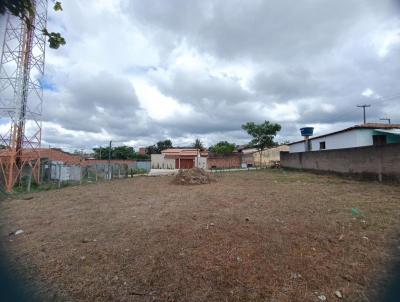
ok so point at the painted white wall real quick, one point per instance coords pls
(158, 161)
(200, 162)
(349, 139)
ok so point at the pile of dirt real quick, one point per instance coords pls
(195, 176)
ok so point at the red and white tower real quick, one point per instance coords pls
(21, 95)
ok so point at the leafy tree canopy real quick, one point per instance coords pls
(159, 146)
(263, 134)
(222, 147)
(25, 9)
(119, 152)
(198, 144)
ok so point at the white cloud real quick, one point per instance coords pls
(367, 92)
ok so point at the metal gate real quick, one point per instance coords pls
(184, 163)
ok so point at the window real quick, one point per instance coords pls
(322, 145)
(379, 140)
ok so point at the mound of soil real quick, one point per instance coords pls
(195, 176)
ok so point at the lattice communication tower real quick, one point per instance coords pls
(21, 95)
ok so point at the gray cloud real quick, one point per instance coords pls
(259, 30)
(294, 63)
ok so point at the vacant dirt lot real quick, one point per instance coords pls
(250, 236)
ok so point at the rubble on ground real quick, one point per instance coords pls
(195, 176)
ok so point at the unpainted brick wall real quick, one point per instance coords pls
(224, 161)
(378, 162)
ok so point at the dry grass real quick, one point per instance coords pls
(242, 238)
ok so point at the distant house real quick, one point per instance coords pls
(142, 151)
(253, 157)
(179, 158)
(357, 136)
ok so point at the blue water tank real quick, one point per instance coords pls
(307, 131)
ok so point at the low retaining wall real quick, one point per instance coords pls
(372, 162)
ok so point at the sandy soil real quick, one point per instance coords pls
(250, 236)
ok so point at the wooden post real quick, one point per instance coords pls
(96, 172)
(119, 171)
(80, 175)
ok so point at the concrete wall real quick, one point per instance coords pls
(224, 161)
(348, 139)
(247, 160)
(200, 162)
(378, 162)
(158, 161)
(269, 156)
(145, 165)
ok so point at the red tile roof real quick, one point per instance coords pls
(183, 152)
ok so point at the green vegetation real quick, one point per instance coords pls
(198, 144)
(137, 171)
(159, 146)
(222, 147)
(263, 135)
(120, 152)
(25, 10)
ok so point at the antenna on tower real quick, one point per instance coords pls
(386, 119)
(21, 95)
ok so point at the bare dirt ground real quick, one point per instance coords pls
(249, 236)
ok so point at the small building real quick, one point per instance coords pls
(370, 134)
(270, 156)
(179, 158)
(252, 157)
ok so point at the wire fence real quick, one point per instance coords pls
(56, 174)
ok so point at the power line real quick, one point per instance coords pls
(388, 98)
(363, 107)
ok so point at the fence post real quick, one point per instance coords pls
(119, 171)
(29, 178)
(81, 175)
(96, 171)
(59, 176)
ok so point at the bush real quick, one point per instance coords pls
(137, 171)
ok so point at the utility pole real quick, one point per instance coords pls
(109, 162)
(386, 119)
(363, 107)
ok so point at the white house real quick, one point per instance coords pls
(356, 136)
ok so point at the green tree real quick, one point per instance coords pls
(159, 146)
(263, 135)
(222, 147)
(118, 152)
(198, 144)
(123, 152)
(162, 145)
(25, 10)
(151, 150)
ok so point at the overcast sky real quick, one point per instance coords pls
(140, 71)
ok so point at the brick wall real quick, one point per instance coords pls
(224, 161)
(376, 162)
